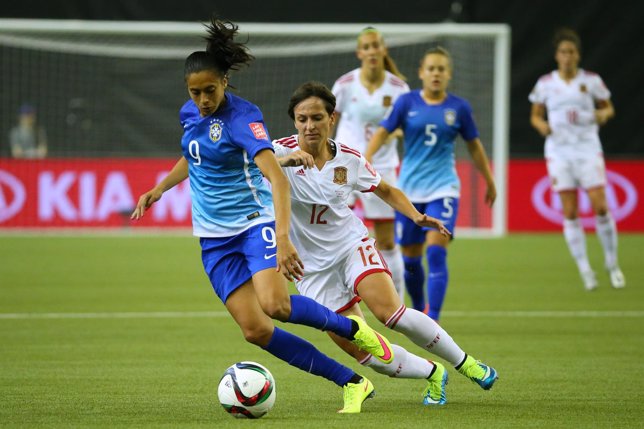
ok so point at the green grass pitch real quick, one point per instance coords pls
(109, 331)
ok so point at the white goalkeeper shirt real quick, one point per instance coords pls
(570, 109)
(361, 113)
(323, 227)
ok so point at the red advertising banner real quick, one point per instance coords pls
(533, 206)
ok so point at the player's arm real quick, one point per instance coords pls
(178, 174)
(288, 261)
(477, 152)
(538, 119)
(377, 140)
(399, 201)
(604, 111)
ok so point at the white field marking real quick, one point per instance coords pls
(218, 314)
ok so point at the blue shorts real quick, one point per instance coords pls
(231, 261)
(444, 209)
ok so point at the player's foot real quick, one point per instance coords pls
(590, 281)
(434, 393)
(617, 279)
(478, 372)
(372, 342)
(355, 394)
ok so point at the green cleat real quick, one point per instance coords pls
(355, 394)
(372, 342)
(478, 372)
(434, 393)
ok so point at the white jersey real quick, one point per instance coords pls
(570, 109)
(361, 113)
(323, 227)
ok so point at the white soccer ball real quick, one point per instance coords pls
(247, 390)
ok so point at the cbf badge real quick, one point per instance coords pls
(340, 175)
(450, 117)
(216, 129)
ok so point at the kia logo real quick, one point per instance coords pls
(621, 196)
(10, 202)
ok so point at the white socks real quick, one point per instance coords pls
(607, 233)
(394, 261)
(404, 365)
(574, 234)
(426, 333)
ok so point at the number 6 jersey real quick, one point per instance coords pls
(323, 227)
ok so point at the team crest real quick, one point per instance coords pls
(386, 101)
(216, 129)
(583, 88)
(450, 116)
(340, 175)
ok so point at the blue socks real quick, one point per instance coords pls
(415, 281)
(437, 279)
(305, 311)
(303, 355)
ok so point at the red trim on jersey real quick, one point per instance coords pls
(373, 188)
(288, 142)
(365, 274)
(546, 77)
(396, 81)
(347, 149)
(347, 77)
(393, 320)
(354, 301)
(590, 73)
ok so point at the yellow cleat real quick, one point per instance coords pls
(355, 394)
(372, 342)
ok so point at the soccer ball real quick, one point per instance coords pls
(247, 390)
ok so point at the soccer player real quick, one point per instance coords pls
(577, 103)
(243, 230)
(431, 119)
(342, 264)
(363, 96)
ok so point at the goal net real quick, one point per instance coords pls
(113, 89)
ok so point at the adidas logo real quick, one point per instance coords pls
(300, 172)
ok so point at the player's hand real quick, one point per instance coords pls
(288, 261)
(145, 201)
(601, 116)
(297, 159)
(544, 129)
(432, 222)
(490, 195)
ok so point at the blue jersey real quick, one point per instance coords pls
(428, 170)
(228, 191)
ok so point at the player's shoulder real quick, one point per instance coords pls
(188, 113)
(289, 142)
(456, 101)
(589, 75)
(241, 109)
(546, 78)
(347, 78)
(395, 81)
(347, 152)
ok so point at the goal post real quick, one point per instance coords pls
(113, 89)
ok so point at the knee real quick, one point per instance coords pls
(601, 210)
(386, 243)
(277, 308)
(260, 335)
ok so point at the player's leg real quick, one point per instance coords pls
(576, 238)
(272, 294)
(258, 328)
(594, 181)
(411, 239)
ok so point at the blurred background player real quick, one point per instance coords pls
(27, 139)
(364, 95)
(431, 118)
(340, 272)
(576, 103)
(243, 229)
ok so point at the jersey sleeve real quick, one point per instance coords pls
(368, 177)
(280, 150)
(249, 132)
(468, 127)
(189, 112)
(339, 96)
(537, 95)
(394, 117)
(598, 89)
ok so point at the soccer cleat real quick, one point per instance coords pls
(590, 281)
(434, 393)
(617, 279)
(372, 342)
(478, 372)
(355, 394)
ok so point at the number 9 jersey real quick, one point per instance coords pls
(229, 194)
(324, 229)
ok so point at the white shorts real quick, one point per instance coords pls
(335, 287)
(373, 207)
(582, 170)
